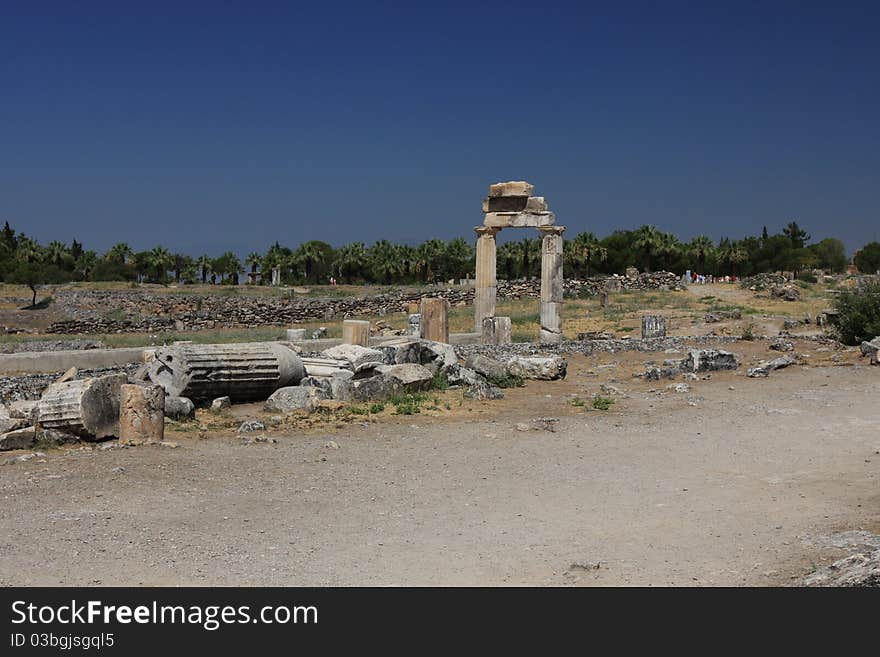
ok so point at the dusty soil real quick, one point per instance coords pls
(734, 482)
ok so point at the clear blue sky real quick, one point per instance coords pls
(228, 125)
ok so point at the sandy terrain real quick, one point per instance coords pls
(714, 486)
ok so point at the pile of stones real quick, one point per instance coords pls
(139, 311)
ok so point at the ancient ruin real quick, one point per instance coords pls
(511, 205)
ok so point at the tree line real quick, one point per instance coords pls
(23, 260)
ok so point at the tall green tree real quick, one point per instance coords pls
(647, 239)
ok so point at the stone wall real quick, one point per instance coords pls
(105, 311)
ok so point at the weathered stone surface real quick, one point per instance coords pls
(511, 188)
(88, 408)
(179, 408)
(653, 326)
(518, 219)
(786, 292)
(141, 414)
(551, 284)
(708, 360)
(414, 325)
(376, 387)
(781, 345)
(241, 371)
(488, 367)
(341, 386)
(485, 284)
(294, 398)
(434, 319)
(221, 404)
(250, 426)
(296, 334)
(496, 330)
(764, 369)
(722, 316)
(861, 569)
(505, 204)
(18, 439)
(11, 423)
(409, 376)
(358, 358)
(25, 409)
(462, 376)
(356, 331)
(871, 349)
(481, 390)
(320, 382)
(546, 368)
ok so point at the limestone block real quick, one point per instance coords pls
(356, 331)
(505, 203)
(296, 334)
(88, 408)
(19, 439)
(434, 323)
(511, 188)
(141, 414)
(496, 330)
(294, 398)
(653, 326)
(518, 219)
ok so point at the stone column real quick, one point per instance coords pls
(551, 283)
(141, 414)
(434, 325)
(496, 330)
(356, 331)
(484, 297)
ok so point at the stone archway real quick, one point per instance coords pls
(511, 205)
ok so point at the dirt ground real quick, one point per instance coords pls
(737, 481)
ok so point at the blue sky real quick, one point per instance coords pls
(224, 125)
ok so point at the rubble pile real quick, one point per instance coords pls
(142, 311)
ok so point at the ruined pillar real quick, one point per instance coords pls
(434, 324)
(496, 330)
(141, 414)
(484, 297)
(88, 408)
(551, 283)
(653, 326)
(356, 331)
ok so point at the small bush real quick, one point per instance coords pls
(507, 381)
(377, 407)
(602, 403)
(807, 278)
(859, 314)
(439, 382)
(748, 333)
(577, 401)
(408, 404)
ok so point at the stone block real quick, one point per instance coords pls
(511, 188)
(141, 414)
(496, 330)
(434, 320)
(518, 219)
(356, 331)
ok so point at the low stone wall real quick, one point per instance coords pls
(137, 311)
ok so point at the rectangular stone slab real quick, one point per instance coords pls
(519, 219)
(511, 188)
(505, 203)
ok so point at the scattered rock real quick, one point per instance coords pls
(545, 368)
(252, 440)
(220, 404)
(488, 367)
(482, 390)
(763, 369)
(250, 426)
(871, 349)
(781, 345)
(706, 360)
(331, 444)
(358, 358)
(294, 398)
(179, 408)
(408, 376)
(862, 569)
(18, 439)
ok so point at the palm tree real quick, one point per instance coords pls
(160, 260)
(458, 257)
(119, 252)
(350, 261)
(253, 260)
(407, 256)
(55, 252)
(179, 264)
(647, 239)
(204, 265)
(733, 254)
(428, 257)
(384, 261)
(309, 254)
(669, 248)
(28, 250)
(509, 256)
(86, 263)
(585, 248)
(701, 247)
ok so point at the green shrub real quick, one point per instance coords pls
(859, 314)
(602, 403)
(377, 407)
(439, 382)
(807, 278)
(748, 332)
(506, 381)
